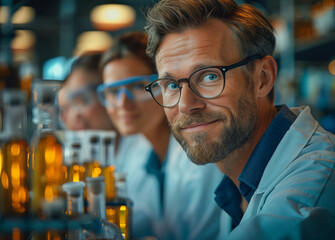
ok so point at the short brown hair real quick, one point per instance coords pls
(132, 43)
(253, 31)
(88, 62)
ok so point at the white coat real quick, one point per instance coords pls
(189, 210)
(295, 198)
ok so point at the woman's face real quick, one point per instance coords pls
(79, 105)
(132, 116)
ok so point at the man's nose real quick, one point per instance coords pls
(189, 101)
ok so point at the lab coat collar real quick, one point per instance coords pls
(291, 145)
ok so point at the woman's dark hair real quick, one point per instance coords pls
(129, 44)
(87, 62)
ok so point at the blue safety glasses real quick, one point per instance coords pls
(110, 94)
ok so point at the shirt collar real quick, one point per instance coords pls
(228, 197)
(254, 168)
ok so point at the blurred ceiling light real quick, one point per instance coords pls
(331, 67)
(4, 13)
(22, 16)
(93, 41)
(24, 40)
(109, 17)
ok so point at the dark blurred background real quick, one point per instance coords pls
(56, 30)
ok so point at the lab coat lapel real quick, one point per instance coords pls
(290, 146)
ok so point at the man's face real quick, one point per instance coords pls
(208, 130)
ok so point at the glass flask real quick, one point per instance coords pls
(72, 159)
(92, 163)
(97, 209)
(75, 207)
(47, 170)
(14, 165)
(119, 207)
(14, 186)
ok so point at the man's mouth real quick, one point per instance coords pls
(199, 126)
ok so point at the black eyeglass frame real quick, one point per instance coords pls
(223, 69)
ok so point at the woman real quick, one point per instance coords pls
(79, 106)
(172, 196)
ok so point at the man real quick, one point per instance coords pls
(216, 77)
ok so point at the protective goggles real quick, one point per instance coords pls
(110, 94)
(80, 98)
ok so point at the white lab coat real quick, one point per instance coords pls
(189, 212)
(295, 198)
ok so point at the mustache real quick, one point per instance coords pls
(186, 120)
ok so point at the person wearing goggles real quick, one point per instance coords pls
(167, 189)
(77, 100)
(111, 94)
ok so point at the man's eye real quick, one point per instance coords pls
(171, 86)
(209, 77)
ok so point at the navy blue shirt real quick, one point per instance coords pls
(155, 168)
(228, 197)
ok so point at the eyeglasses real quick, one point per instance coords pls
(206, 82)
(133, 88)
(79, 99)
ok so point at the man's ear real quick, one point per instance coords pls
(266, 70)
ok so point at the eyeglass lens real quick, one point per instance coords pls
(206, 83)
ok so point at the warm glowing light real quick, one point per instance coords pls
(82, 169)
(15, 150)
(22, 16)
(22, 194)
(50, 154)
(76, 177)
(24, 40)
(15, 199)
(15, 172)
(16, 234)
(93, 41)
(1, 161)
(96, 172)
(110, 212)
(4, 14)
(48, 193)
(4, 180)
(111, 17)
(331, 67)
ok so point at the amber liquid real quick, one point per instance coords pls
(110, 189)
(16, 234)
(14, 188)
(92, 169)
(26, 84)
(75, 173)
(48, 171)
(119, 212)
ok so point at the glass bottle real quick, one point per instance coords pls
(14, 193)
(72, 160)
(92, 164)
(71, 229)
(119, 207)
(14, 186)
(47, 156)
(97, 209)
(74, 206)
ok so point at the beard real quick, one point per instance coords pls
(233, 136)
